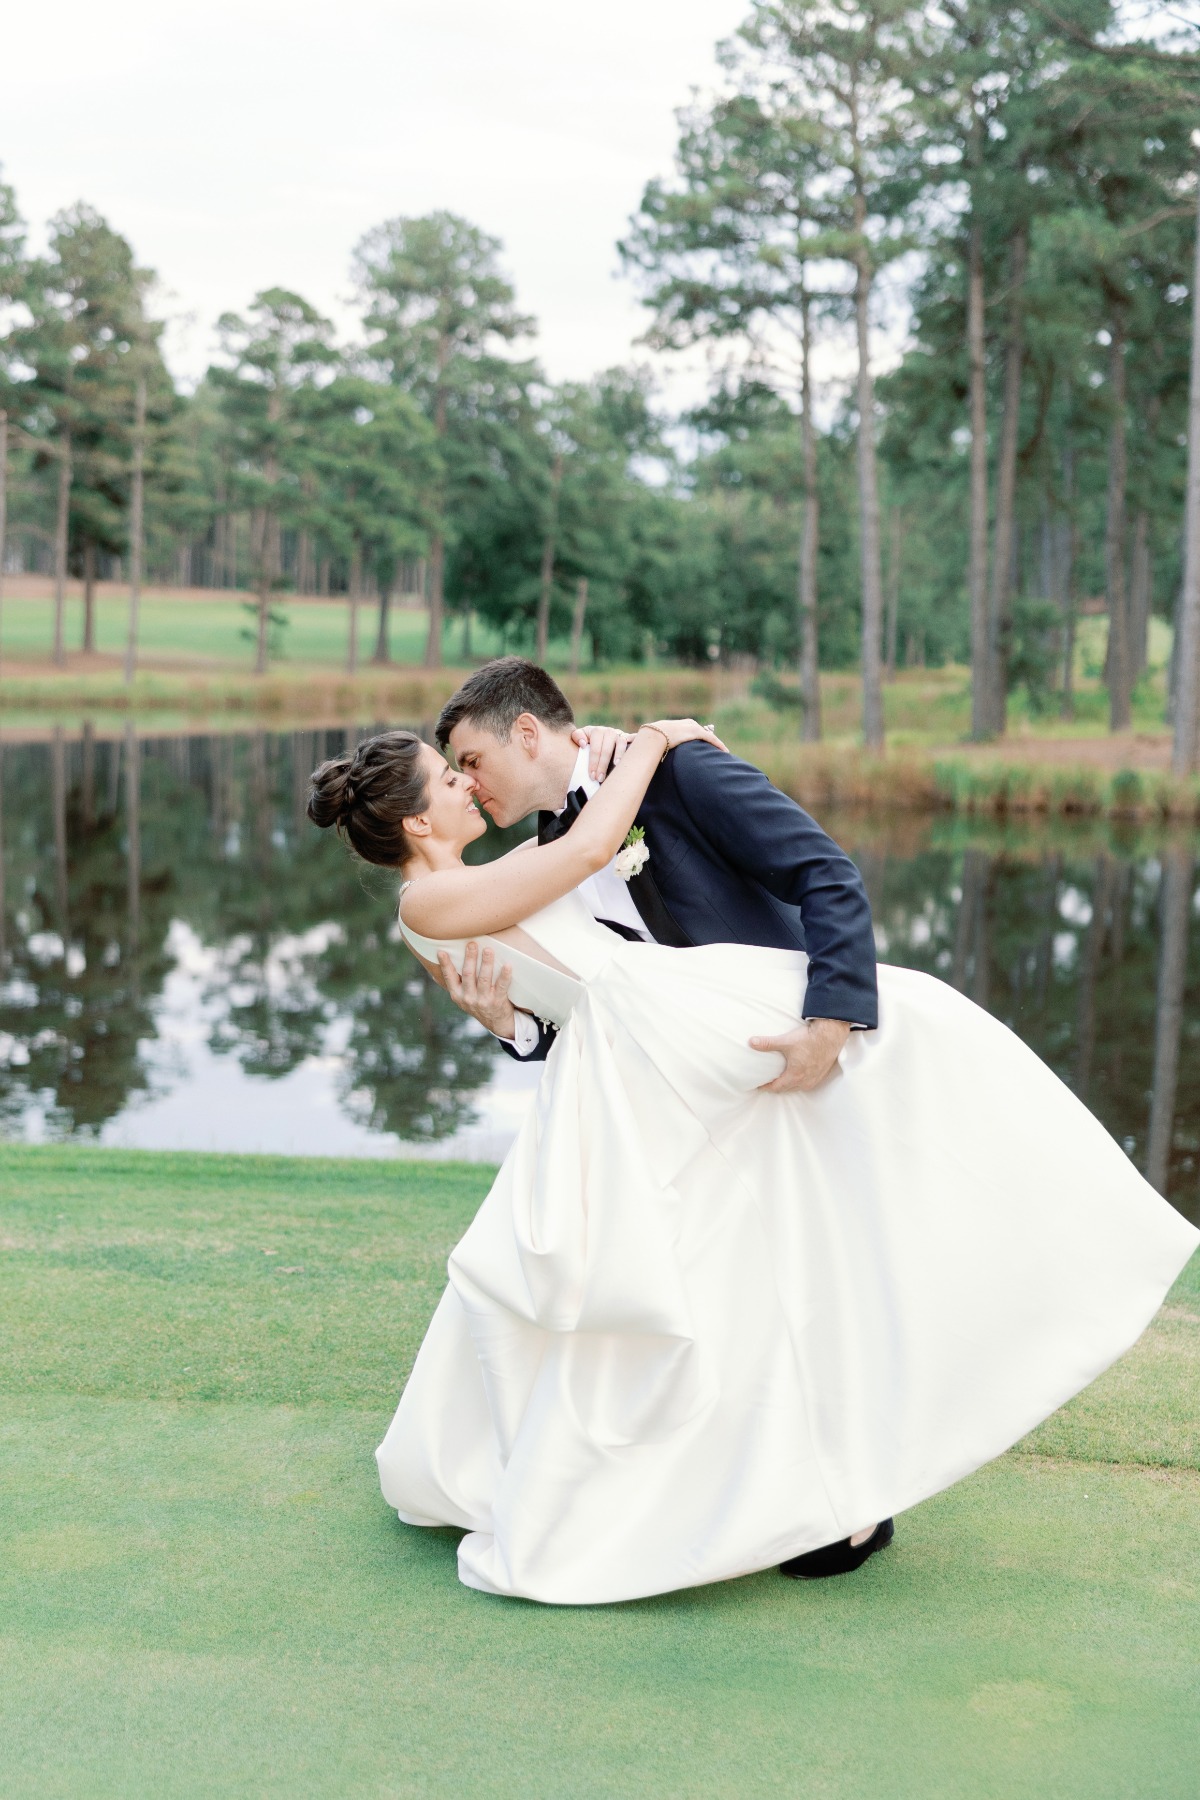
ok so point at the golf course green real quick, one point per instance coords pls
(202, 1592)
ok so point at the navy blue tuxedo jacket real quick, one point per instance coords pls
(734, 861)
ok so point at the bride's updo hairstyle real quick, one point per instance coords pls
(369, 795)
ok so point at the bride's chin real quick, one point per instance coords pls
(474, 825)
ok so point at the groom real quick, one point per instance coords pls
(731, 860)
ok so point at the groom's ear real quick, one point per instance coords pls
(527, 731)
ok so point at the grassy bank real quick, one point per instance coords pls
(202, 1593)
(196, 674)
(1069, 778)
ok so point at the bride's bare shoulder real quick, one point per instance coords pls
(422, 898)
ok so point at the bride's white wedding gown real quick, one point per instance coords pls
(696, 1329)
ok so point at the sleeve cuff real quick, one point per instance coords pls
(525, 1037)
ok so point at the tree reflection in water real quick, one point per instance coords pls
(212, 837)
(113, 852)
(1084, 950)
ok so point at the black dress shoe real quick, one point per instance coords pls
(838, 1559)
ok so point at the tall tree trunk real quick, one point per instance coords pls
(3, 522)
(437, 542)
(1000, 622)
(89, 598)
(268, 539)
(433, 643)
(353, 585)
(1067, 584)
(1140, 588)
(546, 588)
(304, 556)
(810, 661)
(259, 540)
(136, 527)
(1176, 903)
(895, 552)
(1119, 682)
(577, 617)
(868, 496)
(1187, 649)
(383, 649)
(61, 524)
(982, 711)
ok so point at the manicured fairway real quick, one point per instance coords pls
(201, 1592)
(219, 629)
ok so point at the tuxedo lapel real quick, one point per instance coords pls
(643, 891)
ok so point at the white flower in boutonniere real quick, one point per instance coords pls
(633, 855)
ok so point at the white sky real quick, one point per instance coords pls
(241, 144)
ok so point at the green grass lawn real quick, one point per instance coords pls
(214, 630)
(202, 1593)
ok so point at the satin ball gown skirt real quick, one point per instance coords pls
(696, 1329)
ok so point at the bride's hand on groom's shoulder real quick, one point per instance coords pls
(606, 745)
(686, 731)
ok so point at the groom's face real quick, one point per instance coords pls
(509, 773)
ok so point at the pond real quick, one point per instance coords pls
(185, 962)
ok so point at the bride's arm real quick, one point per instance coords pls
(466, 902)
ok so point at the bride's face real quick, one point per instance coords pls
(454, 819)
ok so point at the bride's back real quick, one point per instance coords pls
(551, 954)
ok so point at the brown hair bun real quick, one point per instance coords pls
(369, 794)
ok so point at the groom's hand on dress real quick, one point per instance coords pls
(809, 1053)
(479, 990)
(606, 746)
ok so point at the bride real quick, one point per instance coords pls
(697, 1328)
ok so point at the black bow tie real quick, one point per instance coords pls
(552, 825)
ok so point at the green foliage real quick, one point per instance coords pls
(78, 340)
(1035, 652)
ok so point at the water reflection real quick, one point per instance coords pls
(184, 960)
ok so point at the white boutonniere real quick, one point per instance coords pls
(633, 855)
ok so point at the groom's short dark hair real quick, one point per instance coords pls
(496, 695)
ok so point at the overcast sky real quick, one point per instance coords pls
(241, 144)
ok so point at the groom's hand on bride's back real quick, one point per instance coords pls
(809, 1054)
(481, 990)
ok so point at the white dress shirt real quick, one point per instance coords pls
(604, 894)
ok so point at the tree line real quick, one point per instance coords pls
(1011, 189)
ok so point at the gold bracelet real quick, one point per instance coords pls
(662, 734)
